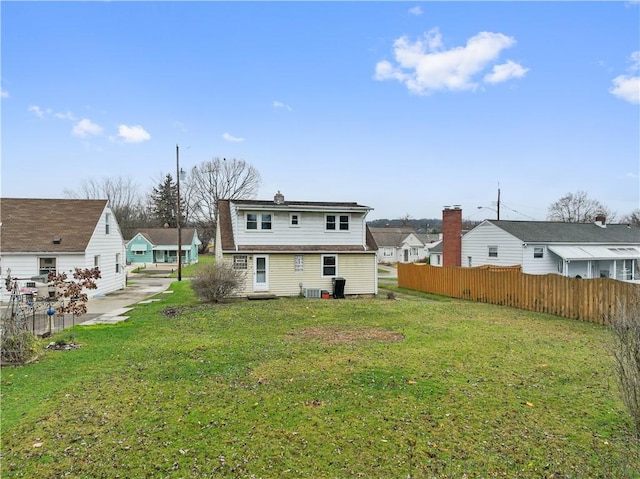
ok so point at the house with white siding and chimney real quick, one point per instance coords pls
(290, 248)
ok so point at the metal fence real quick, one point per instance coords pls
(594, 300)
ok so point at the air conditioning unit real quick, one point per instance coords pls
(312, 293)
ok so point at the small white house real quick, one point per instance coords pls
(398, 245)
(288, 248)
(38, 236)
(585, 250)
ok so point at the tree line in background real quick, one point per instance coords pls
(206, 183)
(200, 190)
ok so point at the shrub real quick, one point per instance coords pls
(216, 281)
(626, 352)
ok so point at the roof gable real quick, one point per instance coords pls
(29, 225)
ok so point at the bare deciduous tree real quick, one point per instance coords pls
(124, 199)
(626, 353)
(213, 180)
(578, 208)
(632, 218)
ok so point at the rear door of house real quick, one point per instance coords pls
(260, 273)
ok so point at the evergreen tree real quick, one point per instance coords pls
(163, 202)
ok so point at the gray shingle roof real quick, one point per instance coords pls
(557, 232)
(391, 237)
(166, 236)
(29, 225)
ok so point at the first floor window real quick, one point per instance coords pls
(538, 252)
(138, 252)
(47, 266)
(298, 262)
(414, 251)
(295, 219)
(493, 251)
(96, 261)
(117, 262)
(469, 261)
(388, 252)
(240, 261)
(329, 265)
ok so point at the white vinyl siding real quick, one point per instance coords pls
(311, 231)
(477, 241)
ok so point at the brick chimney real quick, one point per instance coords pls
(278, 198)
(452, 236)
(601, 220)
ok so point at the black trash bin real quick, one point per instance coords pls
(338, 288)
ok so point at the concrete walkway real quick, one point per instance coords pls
(113, 307)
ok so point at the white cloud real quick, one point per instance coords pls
(4, 94)
(416, 11)
(37, 111)
(279, 105)
(505, 72)
(65, 116)
(133, 134)
(627, 87)
(86, 127)
(234, 139)
(424, 66)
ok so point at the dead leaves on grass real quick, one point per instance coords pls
(338, 335)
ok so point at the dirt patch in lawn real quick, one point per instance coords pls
(337, 335)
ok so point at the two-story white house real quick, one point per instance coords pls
(39, 236)
(288, 248)
(585, 250)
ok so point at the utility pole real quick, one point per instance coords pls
(178, 215)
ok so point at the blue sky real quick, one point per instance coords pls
(401, 106)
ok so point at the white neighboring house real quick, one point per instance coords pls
(586, 250)
(293, 247)
(42, 235)
(398, 244)
(435, 255)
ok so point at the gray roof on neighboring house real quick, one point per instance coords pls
(167, 236)
(557, 232)
(29, 225)
(436, 249)
(391, 236)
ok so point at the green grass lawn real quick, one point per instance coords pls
(189, 270)
(321, 388)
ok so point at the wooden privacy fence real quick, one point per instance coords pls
(594, 300)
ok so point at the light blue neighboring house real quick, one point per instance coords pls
(160, 245)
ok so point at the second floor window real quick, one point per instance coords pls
(334, 222)
(107, 221)
(493, 251)
(257, 221)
